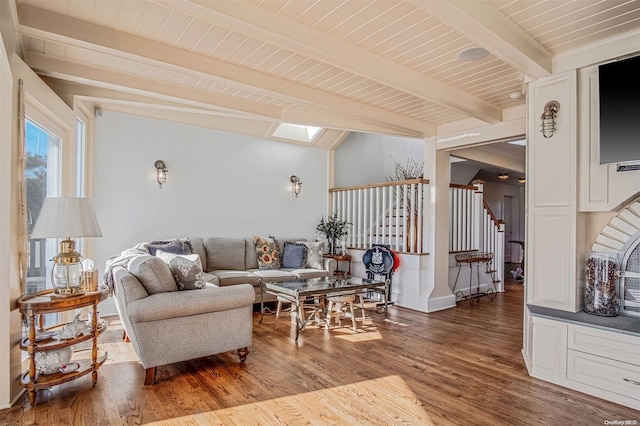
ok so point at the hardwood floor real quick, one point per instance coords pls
(461, 366)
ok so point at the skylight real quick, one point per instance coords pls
(297, 132)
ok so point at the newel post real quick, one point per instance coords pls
(478, 215)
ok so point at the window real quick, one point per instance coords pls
(81, 158)
(42, 175)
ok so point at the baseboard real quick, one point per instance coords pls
(14, 400)
(441, 303)
(527, 361)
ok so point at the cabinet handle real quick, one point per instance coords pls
(633, 382)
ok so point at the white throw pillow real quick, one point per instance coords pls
(314, 254)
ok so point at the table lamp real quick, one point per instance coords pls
(67, 217)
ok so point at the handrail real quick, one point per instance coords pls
(457, 185)
(493, 217)
(380, 185)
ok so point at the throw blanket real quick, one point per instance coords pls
(122, 260)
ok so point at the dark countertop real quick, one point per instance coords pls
(624, 324)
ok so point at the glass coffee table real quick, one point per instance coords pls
(297, 292)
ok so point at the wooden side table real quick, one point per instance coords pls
(41, 303)
(338, 259)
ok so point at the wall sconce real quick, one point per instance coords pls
(296, 184)
(549, 118)
(503, 176)
(161, 172)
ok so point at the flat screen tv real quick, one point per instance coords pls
(619, 90)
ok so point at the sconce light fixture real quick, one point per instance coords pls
(161, 172)
(548, 126)
(296, 184)
(522, 180)
(503, 176)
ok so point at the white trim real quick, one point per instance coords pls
(441, 303)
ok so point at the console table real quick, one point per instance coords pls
(41, 303)
(475, 258)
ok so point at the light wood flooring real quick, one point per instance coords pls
(461, 366)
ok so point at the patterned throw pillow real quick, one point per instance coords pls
(314, 254)
(268, 253)
(186, 269)
(176, 246)
(294, 255)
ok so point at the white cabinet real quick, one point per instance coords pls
(608, 363)
(548, 357)
(595, 361)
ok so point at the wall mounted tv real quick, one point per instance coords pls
(619, 90)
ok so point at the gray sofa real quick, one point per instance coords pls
(230, 261)
(167, 326)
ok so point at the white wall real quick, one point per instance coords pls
(462, 173)
(367, 158)
(494, 194)
(219, 184)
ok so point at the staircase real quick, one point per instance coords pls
(393, 213)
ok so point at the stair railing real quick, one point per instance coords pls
(383, 213)
(473, 226)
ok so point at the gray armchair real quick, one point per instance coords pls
(167, 326)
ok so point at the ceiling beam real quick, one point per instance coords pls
(482, 156)
(117, 96)
(259, 23)
(64, 29)
(482, 23)
(101, 77)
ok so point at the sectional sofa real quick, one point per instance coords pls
(172, 314)
(230, 261)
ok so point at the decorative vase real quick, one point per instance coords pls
(600, 297)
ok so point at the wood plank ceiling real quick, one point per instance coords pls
(381, 66)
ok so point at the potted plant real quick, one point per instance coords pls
(333, 229)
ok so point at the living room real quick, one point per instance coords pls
(228, 176)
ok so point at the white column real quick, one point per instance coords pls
(551, 278)
(422, 282)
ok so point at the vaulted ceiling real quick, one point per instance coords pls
(380, 66)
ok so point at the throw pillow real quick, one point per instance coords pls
(294, 255)
(153, 273)
(176, 246)
(186, 269)
(268, 253)
(314, 254)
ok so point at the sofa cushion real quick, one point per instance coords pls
(274, 275)
(176, 245)
(153, 273)
(211, 279)
(250, 256)
(314, 254)
(197, 247)
(186, 269)
(306, 273)
(225, 253)
(268, 253)
(232, 277)
(294, 255)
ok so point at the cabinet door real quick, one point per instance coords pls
(548, 355)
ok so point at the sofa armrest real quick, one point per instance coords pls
(330, 265)
(177, 304)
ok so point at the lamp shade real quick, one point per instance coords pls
(66, 217)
